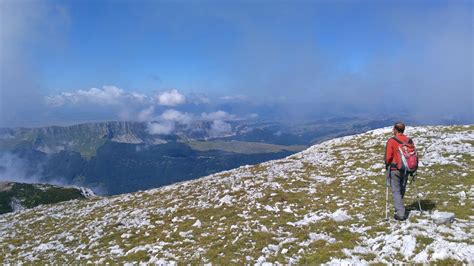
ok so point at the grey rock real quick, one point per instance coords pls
(442, 217)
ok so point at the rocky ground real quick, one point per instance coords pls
(325, 204)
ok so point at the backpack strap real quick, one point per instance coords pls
(401, 142)
(398, 140)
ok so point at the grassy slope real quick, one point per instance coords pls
(236, 226)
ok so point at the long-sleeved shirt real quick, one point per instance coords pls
(392, 156)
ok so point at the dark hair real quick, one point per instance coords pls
(400, 127)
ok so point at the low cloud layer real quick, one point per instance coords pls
(107, 95)
(218, 115)
(118, 104)
(151, 108)
(160, 128)
(177, 116)
(146, 114)
(13, 168)
(112, 95)
(220, 128)
(165, 123)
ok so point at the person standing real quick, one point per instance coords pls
(397, 175)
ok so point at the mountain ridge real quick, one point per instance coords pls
(81, 155)
(15, 196)
(87, 137)
(323, 204)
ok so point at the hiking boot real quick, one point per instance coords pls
(399, 219)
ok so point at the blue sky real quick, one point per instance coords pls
(337, 52)
(131, 44)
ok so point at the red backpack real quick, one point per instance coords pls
(408, 156)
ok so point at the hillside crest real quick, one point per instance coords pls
(324, 204)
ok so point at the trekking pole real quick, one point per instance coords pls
(417, 193)
(387, 184)
(386, 204)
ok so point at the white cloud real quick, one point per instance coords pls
(140, 97)
(238, 97)
(176, 116)
(130, 105)
(160, 128)
(107, 95)
(112, 95)
(220, 128)
(170, 98)
(218, 115)
(146, 114)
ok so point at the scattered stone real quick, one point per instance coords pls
(462, 195)
(197, 224)
(442, 217)
(226, 200)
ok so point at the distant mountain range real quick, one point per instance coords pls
(119, 157)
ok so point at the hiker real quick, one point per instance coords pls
(397, 167)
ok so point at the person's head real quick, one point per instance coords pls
(398, 128)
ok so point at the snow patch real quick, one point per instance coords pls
(340, 216)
